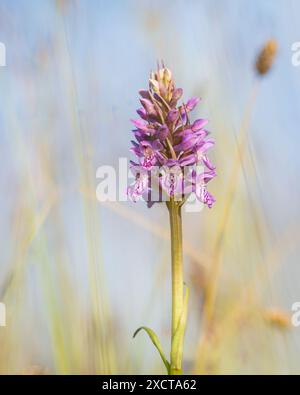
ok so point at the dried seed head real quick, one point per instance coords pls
(266, 57)
(277, 318)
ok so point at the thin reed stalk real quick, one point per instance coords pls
(212, 285)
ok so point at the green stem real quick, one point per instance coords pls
(177, 278)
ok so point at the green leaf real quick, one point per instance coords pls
(178, 337)
(156, 342)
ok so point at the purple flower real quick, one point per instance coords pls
(205, 197)
(172, 180)
(165, 136)
(140, 186)
(191, 103)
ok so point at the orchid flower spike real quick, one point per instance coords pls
(165, 137)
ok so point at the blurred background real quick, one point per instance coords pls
(78, 276)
